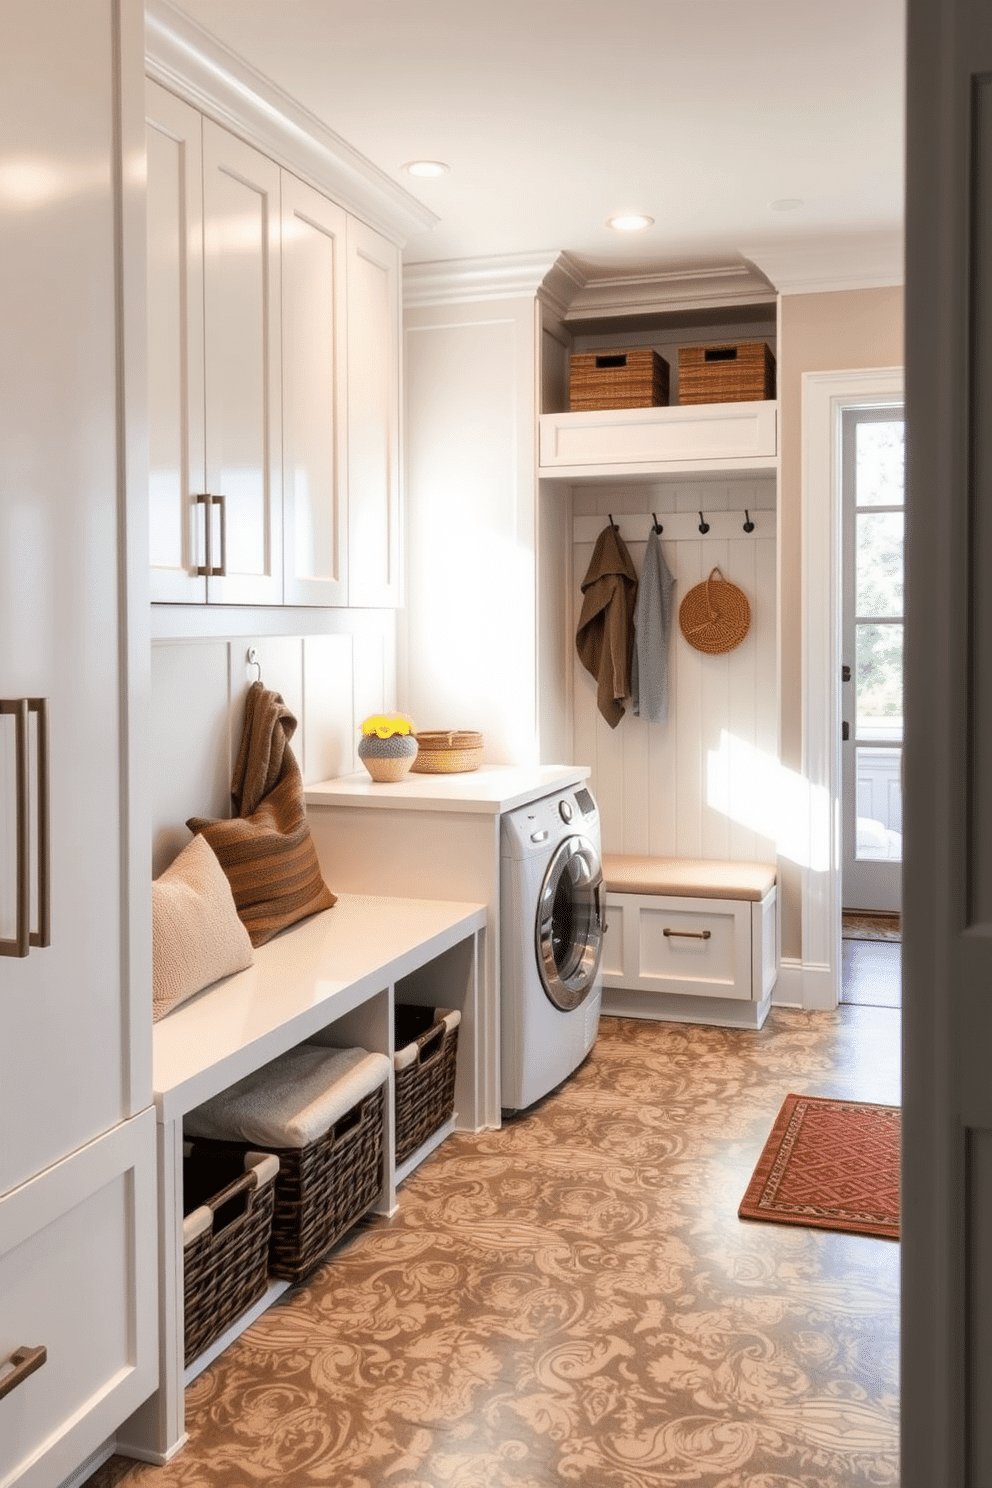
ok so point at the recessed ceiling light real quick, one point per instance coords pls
(786, 204)
(426, 168)
(630, 222)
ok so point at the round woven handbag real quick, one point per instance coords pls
(715, 615)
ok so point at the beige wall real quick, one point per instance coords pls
(834, 332)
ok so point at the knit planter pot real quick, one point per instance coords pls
(387, 759)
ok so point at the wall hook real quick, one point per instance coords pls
(612, 523)
(657, 525)
(704, 526)
(254, 661)
(748, 524)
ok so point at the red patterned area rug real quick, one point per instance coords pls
(831, 1165)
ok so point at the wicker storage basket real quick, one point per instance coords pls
(635, 378)
(729, 373)
(423, 1072)
(322, 1189)
(448, 753)
(228, 1201)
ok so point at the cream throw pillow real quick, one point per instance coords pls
(197, 936)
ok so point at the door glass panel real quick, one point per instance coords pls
(879, 564)
(879, 805)
(878, 678)
(879, 463)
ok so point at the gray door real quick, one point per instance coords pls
(947, 885)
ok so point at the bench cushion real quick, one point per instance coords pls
(689, 878)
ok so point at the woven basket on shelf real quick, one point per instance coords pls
(729, 373)
(441, 752)
(228, 1221)
(323, 1188)
(715, 615)
(423, 1073)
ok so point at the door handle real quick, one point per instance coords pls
(209, 569)
(845, 731)
(24, 937)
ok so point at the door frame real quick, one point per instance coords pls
(824, 397)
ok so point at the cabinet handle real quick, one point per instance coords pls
(24, 937)
(20, 944)
(209, 569)
(221, 570)
(689, 934)
(202, 569)
(25, 1362)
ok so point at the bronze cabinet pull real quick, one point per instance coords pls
(25, 1362)
(20, 943)
(24, 937)
(208, 568)
(689, 934)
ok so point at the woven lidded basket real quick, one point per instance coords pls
(715, 615)
(450, 752)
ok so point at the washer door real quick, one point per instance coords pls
(569, 928)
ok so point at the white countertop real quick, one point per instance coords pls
(490, 790)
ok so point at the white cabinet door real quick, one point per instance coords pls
(176, 475)
(71, 1063)
(78, 1277)
(241, 276)
(373, 418)
(314, 397)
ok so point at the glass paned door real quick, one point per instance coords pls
(873, 441)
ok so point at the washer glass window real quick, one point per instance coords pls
(569, 929)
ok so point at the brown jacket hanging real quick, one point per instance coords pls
(605, 635)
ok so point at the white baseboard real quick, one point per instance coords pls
(810, 986)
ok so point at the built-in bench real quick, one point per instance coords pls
(690, 940)
(335, 979)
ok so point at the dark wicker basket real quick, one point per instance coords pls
(324, 1188)
(225, 1268)
(425, 1086)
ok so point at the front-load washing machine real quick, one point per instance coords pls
(551, 940)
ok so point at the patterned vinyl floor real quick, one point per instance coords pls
(572, 1299)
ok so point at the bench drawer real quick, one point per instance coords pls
(700, 947)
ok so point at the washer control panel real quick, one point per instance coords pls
(565, 810)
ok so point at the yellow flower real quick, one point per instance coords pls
(385, 725)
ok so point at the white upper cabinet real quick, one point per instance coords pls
(274, 380)
(242, 398)
(373, 418)
(176, 461)
(215, 427)
(315, 387)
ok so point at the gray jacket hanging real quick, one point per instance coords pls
(652, 628)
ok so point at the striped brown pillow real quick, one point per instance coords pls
(270, 861)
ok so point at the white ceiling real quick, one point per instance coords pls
(553, 114)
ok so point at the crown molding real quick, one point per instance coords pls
(192, 63)
(822, 266)
(573, 293)
(501, 277)
(601, 295)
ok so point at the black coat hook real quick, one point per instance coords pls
(612, 523)
(748, 524)
(657, 525)
(704, 526)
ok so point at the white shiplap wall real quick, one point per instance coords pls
(329, 681)
(702, 783)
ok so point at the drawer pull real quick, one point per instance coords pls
(25, 1362)
(689, 934)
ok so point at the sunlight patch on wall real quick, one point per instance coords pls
(754, 789)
